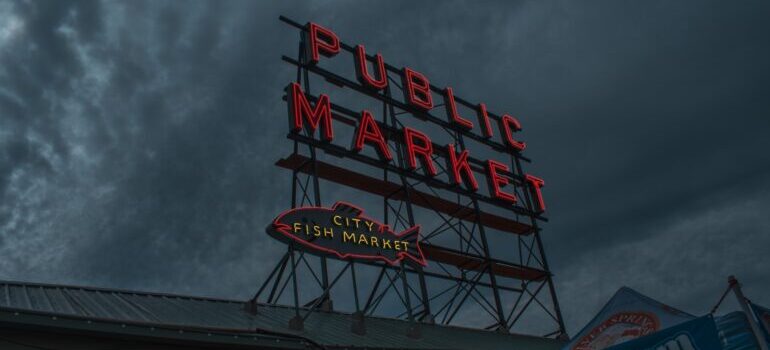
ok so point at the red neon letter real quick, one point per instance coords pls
(496, 181)
(299, 109)
(363, 74)
(425, 150)
(417, 90)
(535, 185)
(321, 41)
(368, 131)
(511, 125)
(460, 164)
(484, 120)
(451, 110)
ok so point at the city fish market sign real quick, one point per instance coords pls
(343, 231)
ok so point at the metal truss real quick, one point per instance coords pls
(463, 276)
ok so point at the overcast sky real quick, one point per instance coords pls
(137, 138)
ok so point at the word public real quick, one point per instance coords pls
(419, 148)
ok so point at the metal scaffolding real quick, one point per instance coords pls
(463, 271)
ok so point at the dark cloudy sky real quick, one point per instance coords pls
(137, 138)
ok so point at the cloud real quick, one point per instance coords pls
(683, 261)
(137, 138)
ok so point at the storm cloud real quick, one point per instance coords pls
(137, 138)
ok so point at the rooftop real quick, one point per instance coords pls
(219, 321)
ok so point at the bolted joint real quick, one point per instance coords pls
(358, 326)
(250, 307)
(327, 304)
(296, 323)
(414, 332)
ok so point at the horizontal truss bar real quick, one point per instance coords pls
(343, 152)
(442, 276)
(474, 262)
(392, 190)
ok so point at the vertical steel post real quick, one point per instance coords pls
(541, 250)
(327, 304)
(487, 256)
(428, 316)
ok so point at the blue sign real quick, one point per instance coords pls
(735, 332)
(698, 334)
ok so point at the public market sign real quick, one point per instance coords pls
(419, 99)
(343, 231)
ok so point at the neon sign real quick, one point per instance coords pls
(314, 115)
(344, 232)
(416, 147)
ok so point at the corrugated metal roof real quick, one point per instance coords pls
(330, 329)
